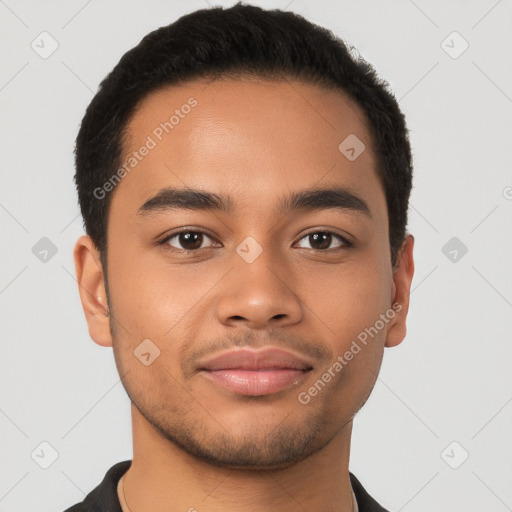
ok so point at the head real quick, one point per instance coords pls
(288, 161)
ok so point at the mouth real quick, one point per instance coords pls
(251, 373)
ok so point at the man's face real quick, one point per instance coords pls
(323, 276)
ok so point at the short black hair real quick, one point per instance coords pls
(240, 40)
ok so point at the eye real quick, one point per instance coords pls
(321, 240)
(188, 240)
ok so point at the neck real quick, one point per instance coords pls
(161, 474)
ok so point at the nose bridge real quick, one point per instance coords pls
(258, 291)
(261, 272)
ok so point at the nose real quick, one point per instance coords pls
(259, 295)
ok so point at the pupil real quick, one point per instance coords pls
(187, 237)
(324, 238)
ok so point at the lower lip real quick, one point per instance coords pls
(256, 382)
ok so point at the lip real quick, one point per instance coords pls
(256, 373)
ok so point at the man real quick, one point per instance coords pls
(244, 183)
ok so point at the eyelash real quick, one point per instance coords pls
(346, 243)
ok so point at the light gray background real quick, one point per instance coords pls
(449, 381)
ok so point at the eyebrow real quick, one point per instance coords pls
(173, 199)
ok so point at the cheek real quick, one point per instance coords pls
(167, 304)
(145, 298)
(352, 308)
(352, 296)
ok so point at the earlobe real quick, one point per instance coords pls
(402, 279)
(91, 287)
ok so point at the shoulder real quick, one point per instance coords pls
(103, 498)
(364, 501)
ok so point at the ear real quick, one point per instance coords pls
(91, 286)
(402, 277)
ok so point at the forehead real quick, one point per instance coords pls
(308, 110)
(245, 136)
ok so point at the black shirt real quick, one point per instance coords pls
(104, 497)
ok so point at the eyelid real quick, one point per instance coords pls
(186, 229)
(346, 242)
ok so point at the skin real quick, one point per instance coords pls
(194, 443)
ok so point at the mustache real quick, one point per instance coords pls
(312, 348)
